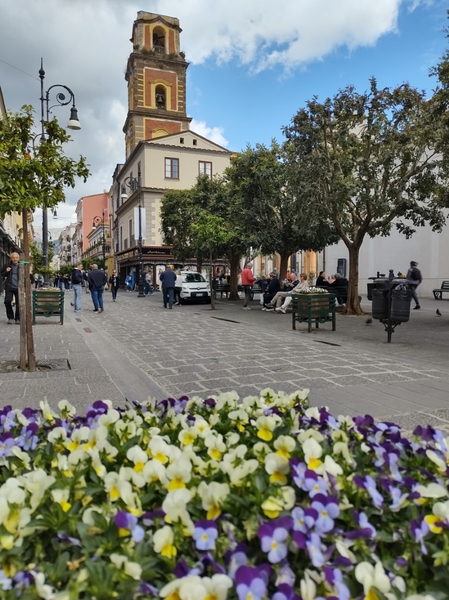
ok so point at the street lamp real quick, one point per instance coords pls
(133, 183)
(73, 123)
(96, 221)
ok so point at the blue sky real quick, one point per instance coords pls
(253, 64)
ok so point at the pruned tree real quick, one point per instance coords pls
(370, 161)
(277, 218)
(33, 175)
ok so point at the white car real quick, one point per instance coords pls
(194, 287)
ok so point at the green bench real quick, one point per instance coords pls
(438, 294)
(48, 303)
(313, 309)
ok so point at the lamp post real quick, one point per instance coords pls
(96, 221)
(73, 123)
(133, 183)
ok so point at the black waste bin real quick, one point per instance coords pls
(380, 291)
(369, 290)
(400, 304)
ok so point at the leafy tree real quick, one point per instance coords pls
(276, 217)
(211, 234)
(31, 176)
(37, 258)
(369, 161)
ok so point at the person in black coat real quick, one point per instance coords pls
(114, 280)
(10, 273)
(273, 288)
(321, 280)
(97, 280)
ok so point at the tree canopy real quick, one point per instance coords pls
(368, 161)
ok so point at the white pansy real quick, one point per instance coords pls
(437, 459)
(119, 487)
(288, 497)
(77, 437)
(47, 411)
(239, 415)
(4, 509)
(310, 433)
(312, 453)
(162, 538)
(343, 549)
(432, 490)
(67, 408)
(56, 435)
(173, 587)
(136, 455)
(308, 588)
(13, 491)
(232, 438)
(87, 516)
(159, 449)
(77, 456)
(238, 473)
(332, 467)
(285, 444)
(341, 449)
(43, 590)
(112, 416)
(440, 509)
(175, 503)
(213, 495)
(132, 569)
(217, 586)
(36, 483)
(261, 449)
(215, 445)
(179, 472)
(372, 576)
(154, 470)
(313, 413)
(276, 464)
(125, 429)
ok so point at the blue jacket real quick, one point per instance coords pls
(168, 278)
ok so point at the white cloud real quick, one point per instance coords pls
(85, 45)
(215, 134)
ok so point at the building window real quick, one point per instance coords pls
(181, 140)
(130, 230)
(194, 142)
(172, 168)
(205, 168)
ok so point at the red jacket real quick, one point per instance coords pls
(247, 277)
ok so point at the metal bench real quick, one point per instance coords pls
(225, 288)
(48, 303)
(438, 294)
(313, 309)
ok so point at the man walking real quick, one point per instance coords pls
(247, 281)
(77, 280)
(168, 279)
(97, 281)
(10, 273)
(114, 280)
(414, 278)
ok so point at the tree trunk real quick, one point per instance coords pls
(199, 264)
(211, 283)
(353, 304)
(234, 263)
(26, 327)
(283, 266)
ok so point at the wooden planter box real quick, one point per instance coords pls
(313, 308)
(48, 303)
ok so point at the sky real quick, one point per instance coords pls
(253, 65)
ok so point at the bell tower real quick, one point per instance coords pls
(156, 76)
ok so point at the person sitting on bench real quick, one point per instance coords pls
(337, 281)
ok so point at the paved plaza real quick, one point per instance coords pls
(136, 349)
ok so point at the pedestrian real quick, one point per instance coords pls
(168, 279)
(247, 281)
(77, 280)
(414, 278)
(97, 281)
(178, 287)
(129, 283)
(114, 280)
(148, 286)
(10, 273)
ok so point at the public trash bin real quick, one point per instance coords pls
(369, 290)
(400, 303)
(380, 298)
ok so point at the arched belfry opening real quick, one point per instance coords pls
(161, 97)
(159, 40)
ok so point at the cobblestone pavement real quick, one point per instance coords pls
(136, 349)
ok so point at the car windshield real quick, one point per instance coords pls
(193, 277)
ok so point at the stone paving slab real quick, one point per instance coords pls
(136, 350)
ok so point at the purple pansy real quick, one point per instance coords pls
(273, 538)
(125, 520)
(8, 420)
(334, 577)
(299, 469)
(205, 534)
(328, 510)
(250, 583)
(6, 443)
(315, 550)
(419, 530)
(315, 484)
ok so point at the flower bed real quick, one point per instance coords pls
(207, 500)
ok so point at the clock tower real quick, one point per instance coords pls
(156, 76)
